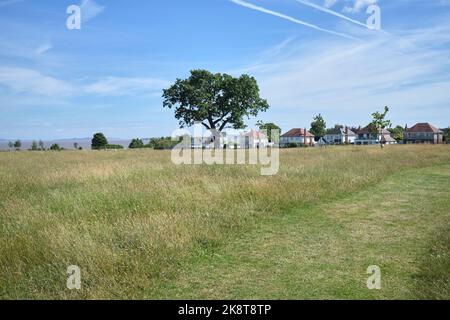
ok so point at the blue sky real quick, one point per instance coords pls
(308, 57)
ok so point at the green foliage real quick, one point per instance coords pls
(318, 127)
(99, 141)
(217, 100)
(10, 144)
(136, 144)
(41, 145)
(34, 146)
(268, 127)
(18, 144)
(397, 132)
(447, 135)
(113, 147)
(55, 147)
(163, 143)
(379, 121)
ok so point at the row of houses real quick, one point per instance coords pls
(419, 133)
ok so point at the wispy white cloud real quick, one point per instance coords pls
(27, 81)
(90, 9)
(31, 82)
(347, 82)
(118, 86)
(289, 18)
(44, 47)
(358, 5)
(350, 6)
(327, 5)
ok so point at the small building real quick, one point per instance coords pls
(366, 137)
(340, 135)
(423, 133)
(297, 137)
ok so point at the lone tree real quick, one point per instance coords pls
(10, 145)
(379, 123)
(136, 144)
(18, 144)
(218, 100)
(318, 127)
(34, 146)
(41, 145)
(268, 127)
(99, 141)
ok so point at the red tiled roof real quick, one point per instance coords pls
(297, 133)
(423, 127)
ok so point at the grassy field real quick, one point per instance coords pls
(140, 227)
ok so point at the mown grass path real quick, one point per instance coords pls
(323, 251)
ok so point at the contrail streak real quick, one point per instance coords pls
(283, 16)
(334, 13)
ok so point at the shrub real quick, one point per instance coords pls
(55, 147)
(113, 147)
(136, 144)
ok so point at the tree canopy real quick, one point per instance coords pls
(55, 147)
(216, 100)
(99, 141)
(397, 133)
(379, 123)
(268, 127)
(136, 144)
(318, 127)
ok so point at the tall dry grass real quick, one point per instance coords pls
(129, 218)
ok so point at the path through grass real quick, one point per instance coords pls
(323, 251)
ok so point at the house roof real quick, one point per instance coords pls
(423, 127)
(297, 133)
(339, 130)
(387, 138)
(366, 130)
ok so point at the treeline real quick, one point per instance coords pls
(35, 146)
(100, 142)
(162, 143)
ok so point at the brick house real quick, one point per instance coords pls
(423, 133)
(298, 137)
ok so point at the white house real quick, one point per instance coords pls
(340, 135)
(366, 137)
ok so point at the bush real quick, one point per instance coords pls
(55, 147)
(136, 144)
(113, 147)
